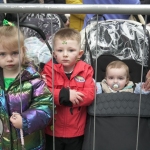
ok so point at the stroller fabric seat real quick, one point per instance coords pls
(116, 122)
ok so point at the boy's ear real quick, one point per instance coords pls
(54, 55)
(81, 53)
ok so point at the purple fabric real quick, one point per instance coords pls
(109, 16)
(34, 103)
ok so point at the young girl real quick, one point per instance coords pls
(27, 104)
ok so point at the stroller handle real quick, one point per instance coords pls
(34, 27)
(38, 30)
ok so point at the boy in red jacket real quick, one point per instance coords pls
(74, 90)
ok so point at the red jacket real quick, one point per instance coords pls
(67, 124)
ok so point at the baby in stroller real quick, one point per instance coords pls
(118, 80)
(112, 122)
(118, 120)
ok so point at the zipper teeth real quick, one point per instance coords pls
(66, 110)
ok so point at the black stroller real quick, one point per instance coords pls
(118, 121)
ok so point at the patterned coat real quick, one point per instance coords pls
(35, 101)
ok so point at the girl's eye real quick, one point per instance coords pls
(15, 53)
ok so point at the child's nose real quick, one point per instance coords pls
(9, 58)
(65, 54)
(115, 80)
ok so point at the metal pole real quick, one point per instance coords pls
(78, 9)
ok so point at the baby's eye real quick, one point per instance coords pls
(110, 78)
(121, 78)
(2, 54)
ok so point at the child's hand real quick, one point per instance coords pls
(44, 78)
(76, 97)
(147, 82)
(16, 120)
(143, 86)
(140, 89)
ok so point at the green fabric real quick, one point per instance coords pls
(7, 82)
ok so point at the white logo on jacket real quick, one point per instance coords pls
(79, 79)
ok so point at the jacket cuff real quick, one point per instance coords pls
(64, 97)
(25, 126)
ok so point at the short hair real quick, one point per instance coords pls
(68, 33)
(118, 64)
(10, 37)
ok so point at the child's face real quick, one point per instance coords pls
(9, 59)
(66, 53)
(116, 76)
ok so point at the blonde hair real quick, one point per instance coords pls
(68, 34)
(118, 64)
(9, 40)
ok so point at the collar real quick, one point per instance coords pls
(79, 67)
(107, 89)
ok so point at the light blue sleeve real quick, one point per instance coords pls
(99, 88)
(139, 90)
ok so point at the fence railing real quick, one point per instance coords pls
(77, 9)
(70, 8)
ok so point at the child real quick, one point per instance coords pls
(73, 91)
(117, 80)
(28, 102)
